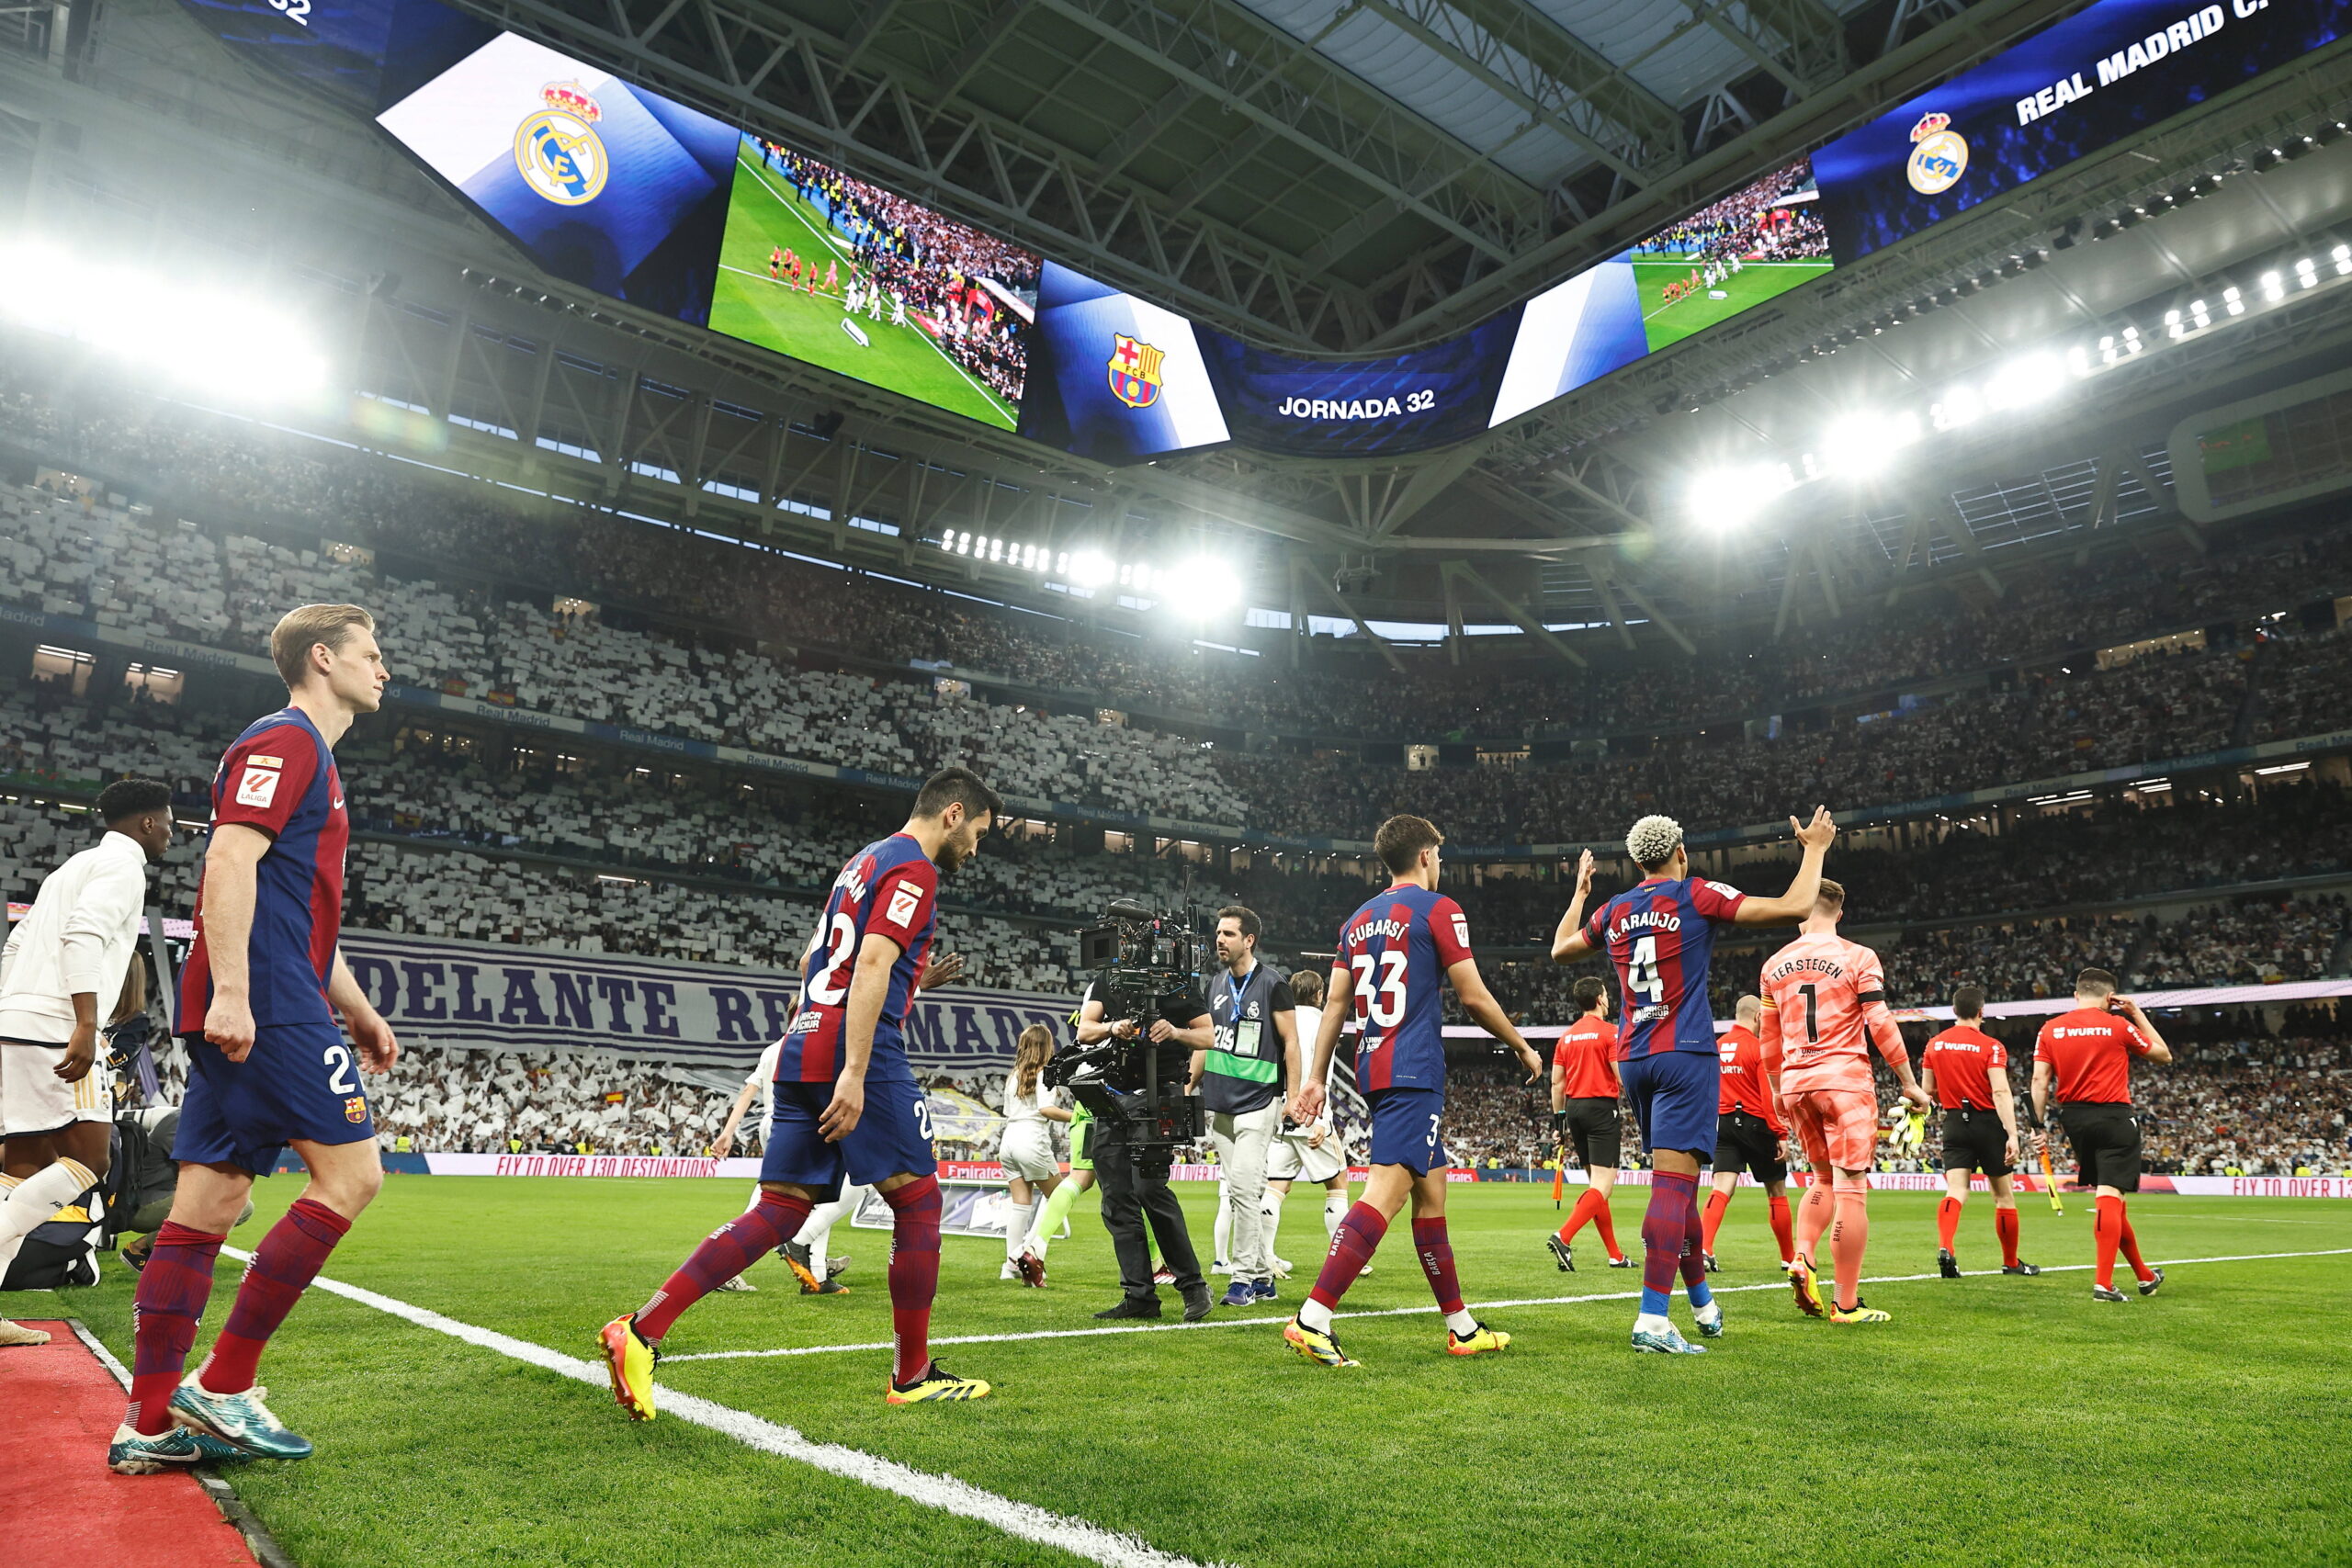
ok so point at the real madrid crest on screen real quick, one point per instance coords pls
(558, 150)
(1135, 371)
(1939, 155)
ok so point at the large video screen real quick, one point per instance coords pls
(618, 189)
(1751, 247)
(636, 195)
(837, 272)
(2085, 84)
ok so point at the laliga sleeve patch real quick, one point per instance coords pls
(257, 786)
(905, 899)
(1462, 929)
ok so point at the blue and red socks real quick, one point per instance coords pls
(283, 1266)
(1665, 1226)
(171, 1291)
(1352, 1246)
(914, 1275)
(725, 1253)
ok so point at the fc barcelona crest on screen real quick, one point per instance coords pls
(356, 1109)
(1135, 371)
(558, 150)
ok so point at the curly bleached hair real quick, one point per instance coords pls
(1653, 840)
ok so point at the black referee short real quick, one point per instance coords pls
(1593, 1131)
(1974, 1140)
(2107, 1144)
(1744, 1141)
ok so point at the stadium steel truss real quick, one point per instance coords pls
(1316, 175)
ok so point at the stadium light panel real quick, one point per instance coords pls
(1090, 569)
(2342, 257)
(2274, 287)
(227, 345)
(2307, 272)
(2234, 301)
(1961, 406)
(1204, 586)
(1722, 499)
(1861, 444)
(2024, 381)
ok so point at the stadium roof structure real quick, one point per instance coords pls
(1314, 175)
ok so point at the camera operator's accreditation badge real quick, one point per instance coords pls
(557, 150)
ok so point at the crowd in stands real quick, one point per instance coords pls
(313, 489)
(1750, 224)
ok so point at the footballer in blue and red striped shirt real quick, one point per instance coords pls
(847, 1100)
(1659, 935)
(1397, 956)
(266, 1066)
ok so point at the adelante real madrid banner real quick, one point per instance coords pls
(487, 995)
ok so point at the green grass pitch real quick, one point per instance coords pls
(1994, 1421)
(764, 214)
(1752, 286)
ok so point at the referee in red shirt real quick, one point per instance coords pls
(2085, 1056)
(1584, 1090)
(1968, 1072)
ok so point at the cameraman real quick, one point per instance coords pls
(1133, 1187)
(1247, 1075)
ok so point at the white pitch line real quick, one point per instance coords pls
(1412, 1311)
(944, 1492)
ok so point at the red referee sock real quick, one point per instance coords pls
(1606, 1224)
(1589, 1205)
(1948, 1221)
(2004, 1225)
(1783, 1228)
(914, 1274)
(2131, 1244)
(171, 1291)
(2105, 1236)
(285, 1263)
(1712, 1220)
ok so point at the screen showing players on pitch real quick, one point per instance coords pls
(840, 273)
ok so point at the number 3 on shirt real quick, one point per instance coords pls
(1641, 970)
(1382, 1006)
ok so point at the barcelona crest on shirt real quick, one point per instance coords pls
(1135, 371)
(356, 1109)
